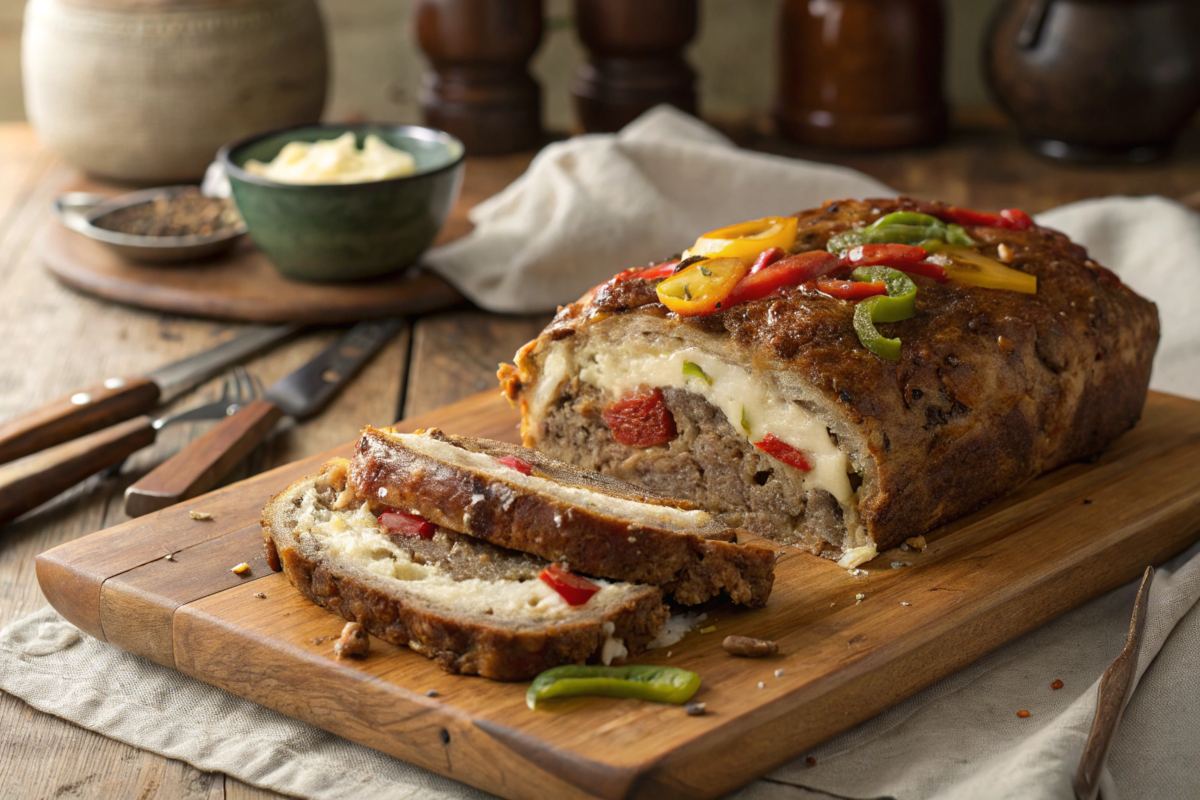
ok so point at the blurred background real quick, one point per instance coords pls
(376, 66)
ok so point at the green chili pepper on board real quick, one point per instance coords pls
(901, 227)
(900, 303)
(637, 681)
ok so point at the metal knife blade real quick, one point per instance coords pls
(176, 378)
(309, 389)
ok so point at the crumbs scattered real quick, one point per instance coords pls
(762, 685)
(903, 603)
(916, 542)
(856, 572)
(779, 673)
(709, 629)
(632, 540)
(695, 709)
(858, 598)
(260, 595)
(431, 693)
(202, 516)
(669, 653)
(353, 642)
(1056, 685)
(1023, 714)
(904, 548)
(1087, 502)
(323, 639)
(240, 569)
(810, 761)
(899, 564)
(169, 557)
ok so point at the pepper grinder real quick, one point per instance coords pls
(636, 62)
(862, 74)
(479, 88)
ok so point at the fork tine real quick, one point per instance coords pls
(245, 387)
(259, 390)
(228, 388)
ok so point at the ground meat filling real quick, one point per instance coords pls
(708, 463)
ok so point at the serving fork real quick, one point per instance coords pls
(34, 479)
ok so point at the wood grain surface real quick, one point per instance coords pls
(66, 340)
(848, 647)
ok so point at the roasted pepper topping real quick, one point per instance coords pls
(575, 589)
(899, 304)
(639, 682)
(900, 227)
(965, 265)
(790, 271)
(766, 258)
(780, 450)
(747, 240)
(1013, 219)
(640, 420)
(692, 370)
(407, 524)
(703, 287)
(851, 290)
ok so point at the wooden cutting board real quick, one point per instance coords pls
(981, 582)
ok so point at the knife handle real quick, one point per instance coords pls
(196, 468)
(33, 480)
(74, 415)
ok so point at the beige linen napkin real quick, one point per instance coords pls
(586, 208)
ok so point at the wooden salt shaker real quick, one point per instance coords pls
(479, 88)
(636, 62)
(861, 73)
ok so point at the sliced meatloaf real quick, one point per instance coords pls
(992, 388)
(535, 504)
(472, 607)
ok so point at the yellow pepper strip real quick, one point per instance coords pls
(965, 265)
(702, 287)
(747, 239)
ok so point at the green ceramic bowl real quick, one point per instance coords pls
(346, 231)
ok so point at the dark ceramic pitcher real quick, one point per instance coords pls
(1097, 80)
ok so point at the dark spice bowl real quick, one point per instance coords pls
(86, 213)
(347, 231)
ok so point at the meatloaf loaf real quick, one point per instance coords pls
(991, 388)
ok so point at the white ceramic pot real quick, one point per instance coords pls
(148, 90)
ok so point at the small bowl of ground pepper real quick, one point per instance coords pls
(168, 224)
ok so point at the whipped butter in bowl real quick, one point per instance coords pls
(344, 202)
(337, 160)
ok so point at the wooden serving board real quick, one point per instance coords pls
(982, 581)
(241, 285)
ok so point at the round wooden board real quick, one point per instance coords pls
(241, 285)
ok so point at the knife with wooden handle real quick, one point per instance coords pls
(117, 399)
(198, 467)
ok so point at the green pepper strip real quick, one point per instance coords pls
(640, 682)
(901, 227)
(692, 370)
(900, 303)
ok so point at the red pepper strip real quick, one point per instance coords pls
(852, 290)
(640, 420)
(407, 524)
(575, 589)
(765, 259)
(790, 271)
(520, 465)
(1011, 218)
(1018, 219)
(885, 255)
(781, 450)
(655, 272)
(929, 270)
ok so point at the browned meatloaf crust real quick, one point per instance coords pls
(458, 640)
(692, 564)
(992, 388)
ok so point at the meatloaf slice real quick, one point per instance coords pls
(472, 607)
(991, 389)
(591, 522)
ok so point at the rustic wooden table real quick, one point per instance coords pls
(56, 340)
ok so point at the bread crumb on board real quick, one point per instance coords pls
(240, 569)
(858, 598)
(709, 629)
(916, 542)
(202, 516)
(748, 647)
(695, 709)
(260, 595)
(353, 642)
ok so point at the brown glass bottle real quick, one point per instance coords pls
(861, 73)
(636, 62)
(479, 88)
